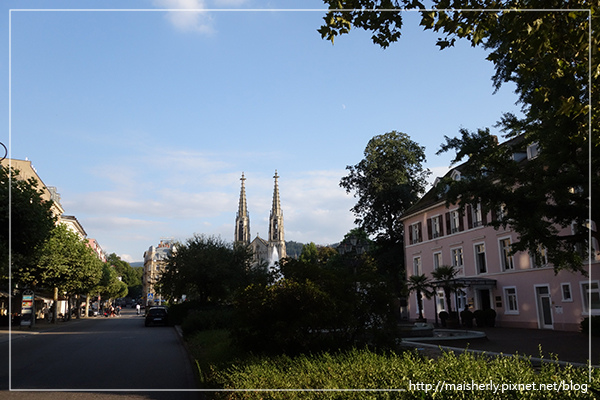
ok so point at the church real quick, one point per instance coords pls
(264, 251)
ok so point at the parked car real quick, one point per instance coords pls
(157, 316)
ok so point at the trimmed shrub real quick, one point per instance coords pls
(585, 325)
(207, 319)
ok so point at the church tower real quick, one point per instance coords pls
(276, 238)
(242, 220)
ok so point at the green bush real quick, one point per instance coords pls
(362, 374)
(288, 317)
(585, 325)
(177, 312)
(207, 319)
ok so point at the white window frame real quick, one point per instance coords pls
(417, 266)
(436, 226)
(416, 233)
(476, 215)
(543, 255)
(533, 150)
(454, 221)
(437, 260)
(476, 254)
(506, 260)
(508, 304)
(562, 292)
(460, 267)
(585, 297)
(440, 297)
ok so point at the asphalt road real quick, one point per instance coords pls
(96, 358)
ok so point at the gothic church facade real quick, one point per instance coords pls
(264, 251)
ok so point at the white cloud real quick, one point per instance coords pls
(188, 21)
(193, 18)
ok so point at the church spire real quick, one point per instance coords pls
(276, 237)
(242, 220)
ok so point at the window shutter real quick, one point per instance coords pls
(448, 224)
(429, 235)
(461, 222)
(410, 236)
(483, 216)
(441, 225)
(469, 216)
(419, 234)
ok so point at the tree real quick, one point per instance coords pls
(66, 264)
(386, 182)
(28, 222)
(444, 276)
(130, 276)
(110, 287)
(421, 285)
(546, 54)
(207, 269)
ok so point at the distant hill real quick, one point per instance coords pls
(293, 249)
(137, 264)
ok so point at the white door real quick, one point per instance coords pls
(544, 307)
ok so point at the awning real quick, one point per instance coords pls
(475, 283)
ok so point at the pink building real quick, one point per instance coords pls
(94, 245)
(524, 291)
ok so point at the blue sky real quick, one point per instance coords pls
(145, 120)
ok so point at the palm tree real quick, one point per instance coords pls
(422, 287)
(444, 277)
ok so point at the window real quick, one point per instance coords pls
(565, 289)
(441, 303)
(417, 269)
(437, 260)
(454, 222)
(480, 258)
(414, 233)
(533, 150)
(475, 216)
(501, 213)
(592, 291)
(506, 259)
(434, 227)
(457, 259)
(510, 298)
(539, 259)
(461, 300)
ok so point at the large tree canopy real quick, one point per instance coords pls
(207, 269)
(386, 182)
(28, 221)
(67, 263)
(552, 58)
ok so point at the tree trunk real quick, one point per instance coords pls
(55, 310)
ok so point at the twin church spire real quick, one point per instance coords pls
(270, 250)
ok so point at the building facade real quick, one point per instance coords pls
(523, 288)
(266, 251)
(155, 260)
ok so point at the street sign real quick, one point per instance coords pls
(150, 296)
(28, 308)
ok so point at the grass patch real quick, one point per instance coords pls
(362, 374)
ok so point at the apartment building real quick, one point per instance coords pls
(523, 289)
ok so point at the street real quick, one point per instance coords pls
(113, 356)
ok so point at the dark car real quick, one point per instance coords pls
(157, 316)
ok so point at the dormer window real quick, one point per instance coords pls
(455, 175)
(533, 150)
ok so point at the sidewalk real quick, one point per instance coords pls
(571, 347)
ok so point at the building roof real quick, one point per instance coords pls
(435, 196)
